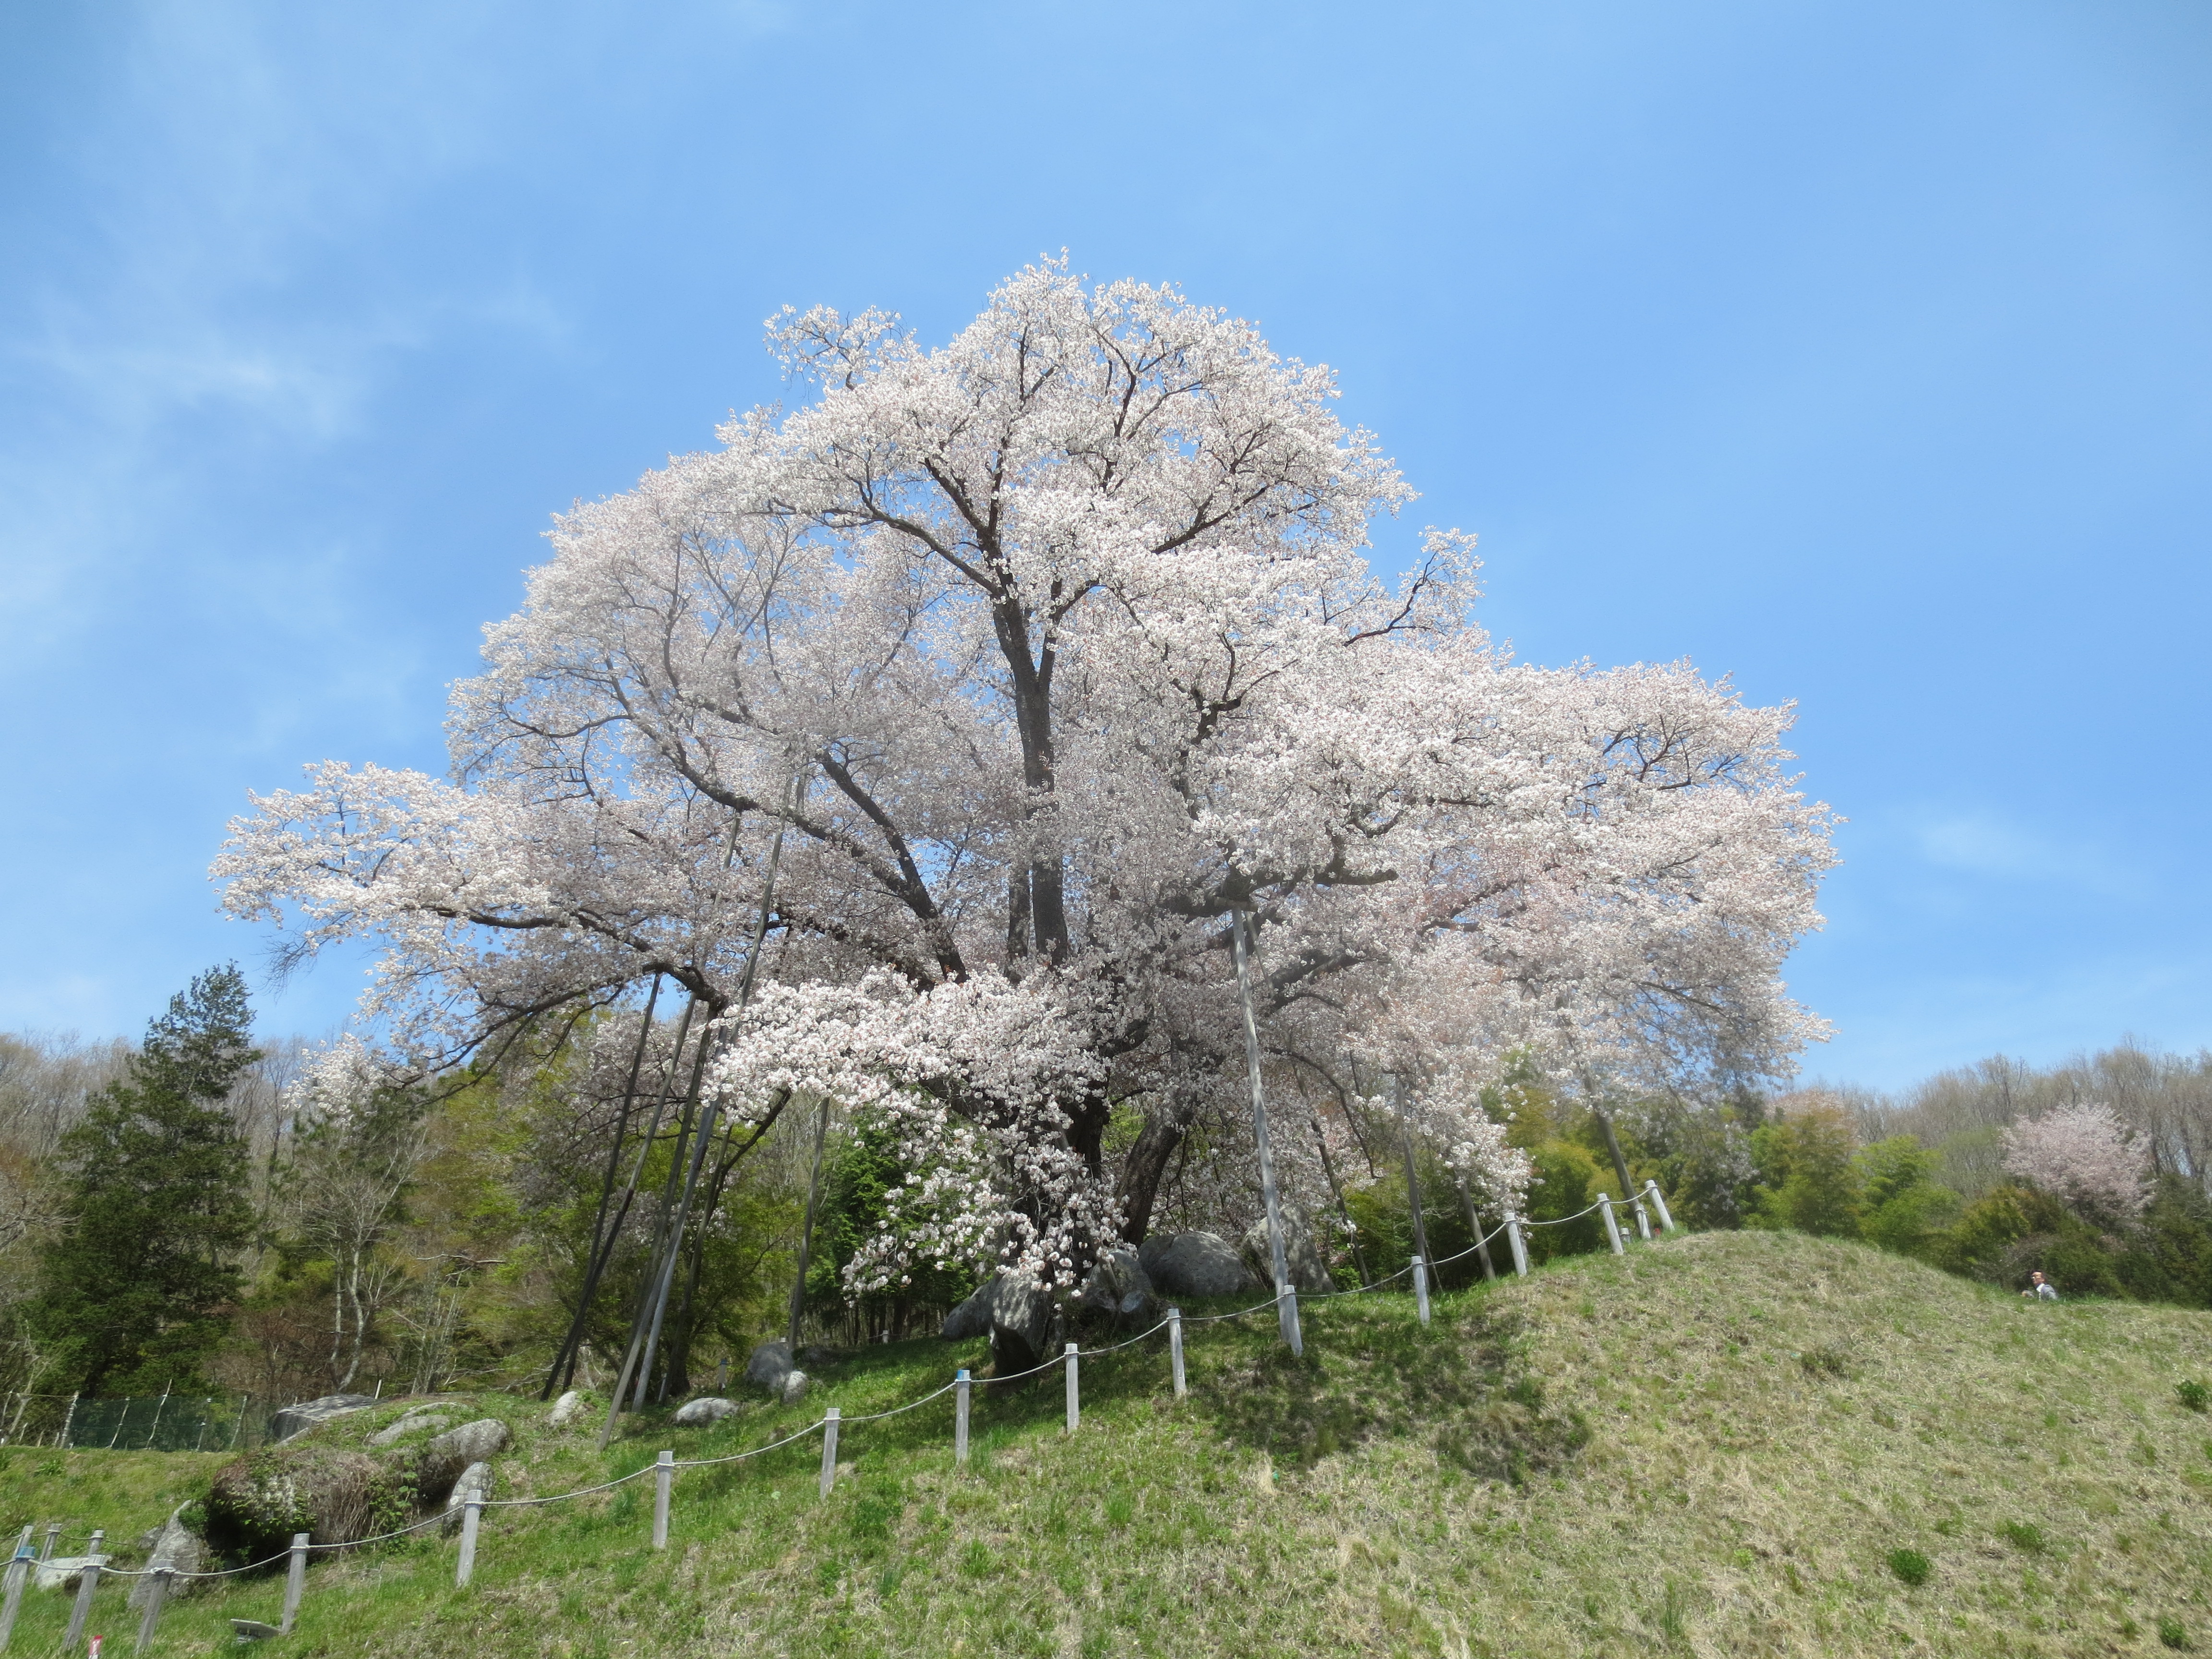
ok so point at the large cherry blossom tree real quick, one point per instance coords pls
(1050, 649)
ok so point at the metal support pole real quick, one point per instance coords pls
(1175, 1349)
(1286, 1311)
(1666, 1215)
(1612, 1226)
(1520, 1249)
(663, 1476)
(157, 1591)
(471, 1518)
(1074, 1392)
(68, 1418)
(296, 1581)
(18, 1572)
(46, 1549)
(87, 1582)
(828, 1451)
(1421, 1287)
(960, 1389)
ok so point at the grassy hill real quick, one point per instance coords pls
(1711, 1446)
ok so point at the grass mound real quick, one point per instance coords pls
(1727, 1444)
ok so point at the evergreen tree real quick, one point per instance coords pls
(135, 1283)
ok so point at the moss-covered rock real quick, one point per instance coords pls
(335, 1495)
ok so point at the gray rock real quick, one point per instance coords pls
(63, 1570)
(176, 1547)
(1021, 1324)
(252, 1630)
(444, 1458)
(972, 1318)
(795, 1384)
(566, 1409)
(769, 1364)
(474, 1481)
(1194, 1264)
(698, 1414)
(1301, 1254)
(1120, 1288)
(420, 1419)
(298, 1419)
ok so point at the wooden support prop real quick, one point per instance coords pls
(1074, 1393)
(1612, 1225)
(1666, 1215)
(960, 1389)
(69, 1419)
(296, 1581)
(1421, 1288)
(1519, 1247)
(157, 1592)
(471, 1518)
(664, 1477)
(1243, 938)
(828, 1451)
(1175, 1349)
(87, 1582)
(19, 1573)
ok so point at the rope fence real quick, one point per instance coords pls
(163, 1575)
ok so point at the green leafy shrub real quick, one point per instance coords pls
(2024, 1535)
(2194, 1396)
(2173, 1632)
(1911, 1566)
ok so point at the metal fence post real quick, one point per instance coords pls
(68, 1418)
(960, 1386)
(1421, 1288)
(1074, 1396)
(465, 1567)
(19, 1571)
(295, 1580)
(157, 1591)
(1612, 1226)
(1520, 1249)
(664, 1474)
(46, 1549)
(828, 1451)
(1666, 1215)
(1174, 1349)
(1642, 1215)
(87, 1582)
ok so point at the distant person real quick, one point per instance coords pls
(2040, 1288)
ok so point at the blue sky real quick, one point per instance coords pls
(1861, 351)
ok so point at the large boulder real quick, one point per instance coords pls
(441, 1460)
(1194, 1264)
(566, 1410)
(1301, 1254)
(298, 1419)
(176, 1545)
(421, 1420)
(1021, 1325)
(63, 1571)
(473, 1482)
(699, 1414)
(334, 1494)
(769, 1364)
(972, 1318)
(1120, 1288)
(795, 1384)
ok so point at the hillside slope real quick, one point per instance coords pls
(1710, 1446)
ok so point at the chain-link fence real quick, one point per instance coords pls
(169, 1422)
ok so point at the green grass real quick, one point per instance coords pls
(1717, 1444)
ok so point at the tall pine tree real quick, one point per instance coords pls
(136, 1284)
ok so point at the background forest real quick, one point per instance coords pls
(180, 1216)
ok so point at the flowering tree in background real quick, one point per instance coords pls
(1050, 649)
(2085, 1155)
